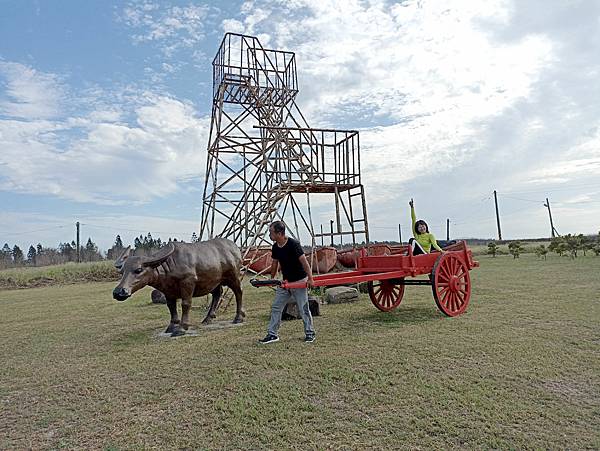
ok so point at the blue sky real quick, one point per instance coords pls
(105, 109)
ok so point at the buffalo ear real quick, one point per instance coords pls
(155, 260)
(119, 262)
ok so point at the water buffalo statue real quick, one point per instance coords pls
(182, 271)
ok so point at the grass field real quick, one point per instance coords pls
(521, 369)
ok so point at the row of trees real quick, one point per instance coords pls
(42, 256)
(567, 245)
(14, 256)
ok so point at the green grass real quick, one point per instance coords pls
(520, 369)
(67, 273)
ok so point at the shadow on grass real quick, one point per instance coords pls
(403, 315)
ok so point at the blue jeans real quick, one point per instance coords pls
(282, 298)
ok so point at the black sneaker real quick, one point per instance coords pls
(309, 338)
(268, 339)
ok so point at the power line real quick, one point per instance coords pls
(35, 231)
(135, 230)
(524, 200)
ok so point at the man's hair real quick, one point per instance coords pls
(278, 227)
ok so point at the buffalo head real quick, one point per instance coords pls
(137, 272)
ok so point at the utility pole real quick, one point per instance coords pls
(497, 216)
(331, 229)
(321, 235)
(552, 229)
(400, 233)
(78, 248)
(448, 229)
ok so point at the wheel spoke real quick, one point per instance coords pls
(443, 290)
(444, 299)
(454, 302)
(454, 266)
(461, 298)
(443, 273)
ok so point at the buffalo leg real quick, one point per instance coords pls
(174, 324)
(186, 304)
(237, 291)
(187, 289)
(216, 295)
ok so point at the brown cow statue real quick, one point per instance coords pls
(182, 271)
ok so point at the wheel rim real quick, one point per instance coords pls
(451, 285)
(385, 295)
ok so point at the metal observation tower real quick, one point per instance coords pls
(265, 163)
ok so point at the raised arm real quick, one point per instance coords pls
(413, 216)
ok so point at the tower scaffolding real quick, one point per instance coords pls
(264, 162)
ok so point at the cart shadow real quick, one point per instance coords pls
(407, 315)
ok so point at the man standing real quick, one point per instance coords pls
(288, 255)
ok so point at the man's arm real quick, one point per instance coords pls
(274, 268)
(310, 282)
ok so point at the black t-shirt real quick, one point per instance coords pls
(288, 257)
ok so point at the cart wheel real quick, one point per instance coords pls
(385, 295)
(451, 284)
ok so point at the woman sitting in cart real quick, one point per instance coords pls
(423, 241)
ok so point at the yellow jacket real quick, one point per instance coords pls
(426, 240)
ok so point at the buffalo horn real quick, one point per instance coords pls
(155, 260)
(119, 262)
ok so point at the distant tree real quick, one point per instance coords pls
(573, 243)
(558, 245)
(492, 249)
(17, 255)
(541, 251)
(6, 255)
(39, 249)
(31, 255)
(116, 250)
(515, 248)
(68, 251)
(90, 251)
(194, 237)
(587, 243)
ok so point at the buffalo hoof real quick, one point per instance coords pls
(238, 319)
(170, 328)
(185, 326)
(178, 332)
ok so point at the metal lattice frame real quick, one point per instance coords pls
(265, 163)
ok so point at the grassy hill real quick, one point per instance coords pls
(519, 370)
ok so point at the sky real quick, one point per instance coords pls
(105, 110)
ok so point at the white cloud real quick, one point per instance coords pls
(95, 157)
(428, 71)
(453, 99)
(232, 26)
(174, 27)
(29, 93)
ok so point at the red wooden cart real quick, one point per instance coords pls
(386, 277)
